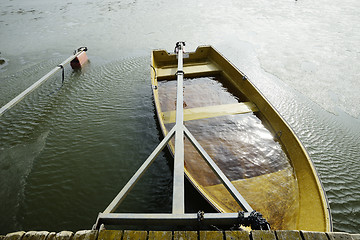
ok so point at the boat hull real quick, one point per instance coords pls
(244, 134)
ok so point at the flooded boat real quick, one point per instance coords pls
(245, 136)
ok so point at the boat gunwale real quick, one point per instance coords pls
(311, 162)
(316, 177)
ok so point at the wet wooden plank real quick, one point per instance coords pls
(185, 235)
(135, 235)
(263, 235)
(189, 70)
(179, 235)
(63, 235)
(110, 235)
(34, 235)
(215, 235)
(14, 235)
(356, 236)
(86, 235)
(288, 235)
(211, 111)
(307, 235)
(161, 235)
(51, 236)
(339, 236)
(238, 235)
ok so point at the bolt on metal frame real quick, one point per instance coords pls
(178, 215)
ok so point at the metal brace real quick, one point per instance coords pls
(63, 73)
(200, 215)
(179, 72)
(254, 220)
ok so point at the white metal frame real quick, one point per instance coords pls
(178, 215)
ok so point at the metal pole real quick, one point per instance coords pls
(37, 84)
(130, 184)
(178, 206)
(163, 219)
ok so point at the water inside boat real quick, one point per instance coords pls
(231, 131)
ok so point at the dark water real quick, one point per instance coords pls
(65, 155)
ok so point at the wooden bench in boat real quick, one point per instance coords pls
(211, 111)
(204, 68)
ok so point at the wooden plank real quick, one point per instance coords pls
(288, 235)
(185, 235)
(15, 235)
(215, 235)
(161, 235)
(211, 111)
(135, 235)
(339, 236)
(51, 236)
(355, 236)
(307, 235)
(237, 235)
(110, 235)
(34, 235)
(189, 70)
(86, 235)
(263, 235)
(64, 235)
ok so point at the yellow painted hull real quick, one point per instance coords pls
(286, 188)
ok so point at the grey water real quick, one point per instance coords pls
(65, 154)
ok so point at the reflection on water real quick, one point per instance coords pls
(239, 144)
(198, 92)
(98, 132)
(16, 164)
(242, 148)
(281, 187)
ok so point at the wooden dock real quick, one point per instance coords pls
(178, 235)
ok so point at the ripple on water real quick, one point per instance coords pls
(333, 144)
(101, 127)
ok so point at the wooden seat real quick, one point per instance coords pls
(211, 111)
(189, 70)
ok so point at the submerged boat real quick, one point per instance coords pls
(245, 136)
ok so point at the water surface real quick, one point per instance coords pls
(65, 155)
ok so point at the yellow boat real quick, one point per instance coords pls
(246, 137)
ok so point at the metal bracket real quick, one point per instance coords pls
(200, 215)
(179, 72)
(62, 74)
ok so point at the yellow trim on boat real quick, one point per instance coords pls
(313, 208)
(211, 111)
